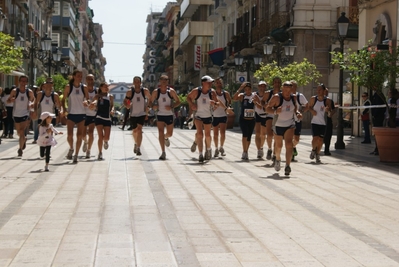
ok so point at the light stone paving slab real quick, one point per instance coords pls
(140, 211)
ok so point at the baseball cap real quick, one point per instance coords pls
(262, 82)
(207, 78)
(46, 114)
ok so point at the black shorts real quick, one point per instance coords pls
(298, 128)
(217, 120)
(207, 120)
(260, 119)
(105, 123)
(318, 130)
(134, 121)
(89, 120)
(281, 130)
(247, 127)
(21, 119)
(76, 118)
(166, 119)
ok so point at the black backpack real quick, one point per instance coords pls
(200, 92)
(71, 86)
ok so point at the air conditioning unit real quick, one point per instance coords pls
(337, 48)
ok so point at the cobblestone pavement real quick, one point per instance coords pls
(142, 211)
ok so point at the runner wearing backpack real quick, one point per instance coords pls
(284, 105)
(260, 118)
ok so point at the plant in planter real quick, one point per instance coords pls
(377, 70)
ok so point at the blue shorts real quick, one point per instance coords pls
(136, 120)
(260, 119)
(89, 120)
(105, 123)
(166, 119)
(281, 130)
(207, 120)
(21, 119)
(298, 128)
(318, 130)
(217, 120)
(76, 118)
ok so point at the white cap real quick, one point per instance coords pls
(46, 114)
(207, 78)
(262, 82)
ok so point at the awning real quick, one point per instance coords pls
(16, 73)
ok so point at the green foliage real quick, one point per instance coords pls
(303, 72)
(59, 82)
(10, 56)
(183, 99)
(369, 68)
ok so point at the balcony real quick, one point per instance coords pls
(64, 23)
(220, 5)
(260, 31)
(188, 7)
(196, 28)
(279, 19)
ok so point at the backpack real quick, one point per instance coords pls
(324, 100)
(71, 86)
(142, 92)
(298, 98)
(200, 92)
(27, 92)
(52, 97)
(159, 93)
(281, 99)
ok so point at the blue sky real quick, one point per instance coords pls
(124, 25)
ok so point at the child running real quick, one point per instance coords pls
(46, 136)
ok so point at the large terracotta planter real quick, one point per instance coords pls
(230, 121)
(387, 143)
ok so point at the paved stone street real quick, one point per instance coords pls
(130, 211)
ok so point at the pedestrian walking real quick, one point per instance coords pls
(284, 106)
(138, 101)
(76, 94)
(46, 136)
(247, 116)
(23, 100)
(219, 122)
(104, 104)
(164, 100)
(302, 104)
(329, 126)
(88, 132)
(319, 105)
(202, 100)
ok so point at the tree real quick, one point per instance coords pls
(10, 56)
(59, 82)
(303, 72)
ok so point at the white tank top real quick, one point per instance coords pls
(219, 112)
(261, 113)
(286, 117)
(91, 112)
(21, 105)
(75, 101)
(46, 104)
(204, 106)
(163, 101)
(319, 108)
(137, 104)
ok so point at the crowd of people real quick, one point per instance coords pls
(274, 115)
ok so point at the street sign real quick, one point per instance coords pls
(241, 76)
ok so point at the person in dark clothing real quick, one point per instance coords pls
(329, 127)
(366, 118)
(125, 119)
(378, 114)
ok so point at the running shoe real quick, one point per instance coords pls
(312, 154)
(273, 160)
(277, 166)
(69, 155)
(295, 153)
(216, 153)
(221, 150)
(208, 154)
(167, 142)
(194, 147)
(163, 156)
(46, 168)
(318, 158)
(84, 148)
(105, 145)
(138, 152)
(20, 152)
(246, 156)
(135, 149)
(260, 153)
(100, 156)
(269, 154)
(287, 170)
(75, 159)
(201, 158)
(243, 155)
(88, 153)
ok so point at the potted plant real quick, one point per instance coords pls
(376, 69)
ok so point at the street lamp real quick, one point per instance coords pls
(239, 61)
(342, 28)
(2, 19)
(52, 56)
(289, 49)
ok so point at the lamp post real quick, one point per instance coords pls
(289, 49)
(2, 19)
(239, 61)
(47, 47)
(342, 28)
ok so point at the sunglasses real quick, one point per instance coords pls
(164, 79)
(287, 84)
